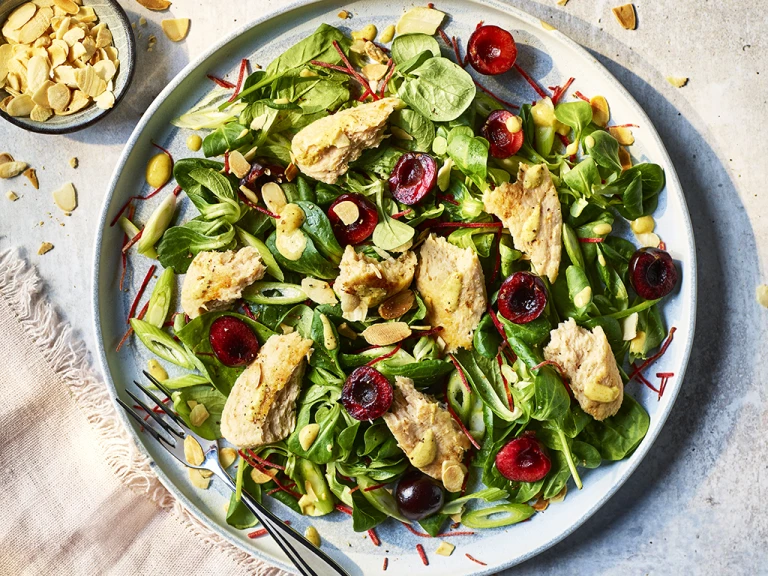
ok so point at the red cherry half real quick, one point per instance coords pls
(504, 143)
(652, 273)
(418, 495)
(260, 174)
(523, 460)
(361, 228)
(413, 178)
(233, 341)
(367, 394)
(491, 50)
(522, 297)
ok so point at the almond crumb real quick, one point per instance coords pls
(12, 196)
(762, 295)
(677, 81)
(626, 16)
(73, 162)
(45, 247)
(142, 21)
(562, 2)
(343, 14)
(547, 26)
(445, 549)
(31, 175)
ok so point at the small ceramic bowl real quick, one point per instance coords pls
(110, 13)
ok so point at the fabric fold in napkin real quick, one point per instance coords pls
(77, 496)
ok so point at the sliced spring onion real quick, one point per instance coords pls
(160, 301)
(273, 269)
(264, 293)
(512, 514)
(161, 344)
(458, 397)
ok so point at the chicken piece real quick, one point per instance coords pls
(217, 279)
(530, 209)
(261, 408)
(364, 282)
(324, 149)
(587, 360)
(451, 282)
(415, 417)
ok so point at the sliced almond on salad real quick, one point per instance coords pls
(420, 20)
(238, 165)
(397, 305)
(318, 291)
(386, 333)
(622, 134)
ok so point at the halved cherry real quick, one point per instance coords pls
(491, 50)
(367, 393)
(347, 230)
(418, 495)
(414, 176)
(523, 460)
(652, 273)
(522, 297)
(233, 342)
(504, 143)
(260, 174)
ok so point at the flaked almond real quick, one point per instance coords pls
(677, 81)
(541, 504)
(73, 36)
(21, 105)
(79, 101)
(227, 457)
(40, 96)
(11, 195)
(73, 162)
(343, 14)
(31, 175)
(601, 113)
(45, 247)
(562, 2)
(175, 29)
(291, 172)
(386, 333)
(38, 24)
(65, 74)
(193, 452)
(547, 26)
(4, 103)
(105, 100)
(648, 239)
(19, 17)
(274, 197)
(66, 197)
(263, 477)
(397, 305)
(318, 291)
(6, 53)
(156, 5)
(291, 245)
(312, 535)
(11, 169)
(89, 82)
(40, 113)
(400, 134)
(308, 435)
(348, 212)
(5, 157)
(622, 134)
(156, 370)
(445, 549)
(453, 474)
(626, 16)
(375, 71)
(103, 38)
(761, 294)
(58, 97)
(67, 5)
(624, 158)
(198, 415)
(198, 480)
(238, 165)
(345, 330)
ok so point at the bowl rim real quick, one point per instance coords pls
(41, 128)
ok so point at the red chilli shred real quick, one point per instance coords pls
(130, 330)
(220, 81)
(387, 78)
(461, 373)
(263, 461)
(581, 96)
(344, 508)
(374, 537)
(475, 559)
(385, 565)
(558, 91)
(422, 554)
(141, 291)
(591, 240)
(240, 77)
(352, 70)
(466, 225)
(385, 356)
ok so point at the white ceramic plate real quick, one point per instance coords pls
(548, 56)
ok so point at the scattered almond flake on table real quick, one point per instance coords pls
(151, 42)
(73, 162)
(562, 2)
(677, 81)
(547, 26)
(45, 247)
(66, 197)
(156, 5)
(31, 175)
(762, 295)
(11, 195)
(343, 15)
(12, 169)
(142, 21)
(175, 29)
(626, 16)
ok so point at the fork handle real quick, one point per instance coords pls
(308, 559)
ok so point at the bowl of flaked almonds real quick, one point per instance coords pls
(64, 64)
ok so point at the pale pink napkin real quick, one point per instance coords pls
(76, 497)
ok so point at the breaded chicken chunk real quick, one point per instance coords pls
(415, 419)
(215, 280)
(324, 149)
(587, 360)
(365, 282)
(530, 209)
(451, 282)
(262, 405)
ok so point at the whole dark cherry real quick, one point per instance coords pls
(652, 273)
(523, 460)
(233, 342)
(522, 297)
(366, 394)
(418, 495)
(414, 176)
(503, 142)
(491, 50)
(357, 231)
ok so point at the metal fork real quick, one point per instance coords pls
(308, 559)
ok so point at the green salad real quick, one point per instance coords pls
(403, 296)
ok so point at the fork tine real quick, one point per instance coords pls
(161, 404)
(156, 417)
(157, 383)
(154, 433)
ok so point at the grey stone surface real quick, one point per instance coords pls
(697, 504)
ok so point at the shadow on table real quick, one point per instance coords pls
(154, 71)
(726, 338)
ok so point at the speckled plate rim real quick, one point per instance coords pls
(673, 187)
